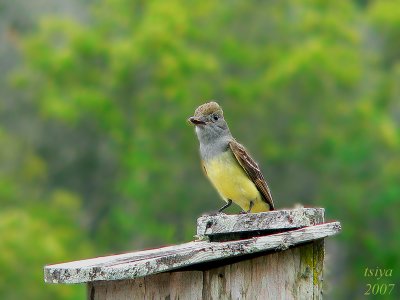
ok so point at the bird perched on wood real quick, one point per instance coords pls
(227, 164)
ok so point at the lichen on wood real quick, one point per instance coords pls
(265, 222)
(144, 263)
(279, 275)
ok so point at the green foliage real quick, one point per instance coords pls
(36, 226)
(29, 241)
(311, 88)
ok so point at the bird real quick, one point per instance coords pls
(227, 164)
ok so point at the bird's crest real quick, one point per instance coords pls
(208, 108)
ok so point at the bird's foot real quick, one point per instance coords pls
(250, 207)
(225, 206)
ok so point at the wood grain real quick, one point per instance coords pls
(281, 275)
(144, 263)
(282, 258)
(209, 225)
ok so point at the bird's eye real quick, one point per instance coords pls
(215, 117)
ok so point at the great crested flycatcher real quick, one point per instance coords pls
(234, 174)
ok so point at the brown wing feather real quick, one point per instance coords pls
(253, 171)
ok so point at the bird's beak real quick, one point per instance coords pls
(196, 121)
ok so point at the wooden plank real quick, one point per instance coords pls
(280, 275)
(186, 285)
(274, 220)
(169, 285)
(216, 283)
(129, 257)
(318, 268)
(241, 279)
(305, 276)
(115, 268)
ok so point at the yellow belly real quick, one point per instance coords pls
(232, 182)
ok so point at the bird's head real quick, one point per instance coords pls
(209, 121)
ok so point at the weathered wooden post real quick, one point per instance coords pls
(272, 255)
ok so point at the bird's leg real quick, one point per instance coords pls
(250, 207)
(225, 206)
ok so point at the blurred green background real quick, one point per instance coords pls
(96, 156)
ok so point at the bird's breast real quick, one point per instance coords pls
(229, 178)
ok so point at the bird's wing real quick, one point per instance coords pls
(253, 171)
